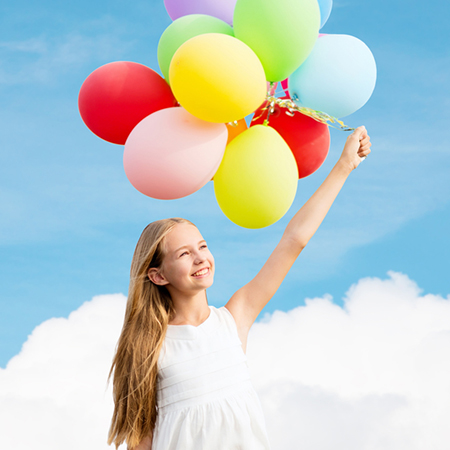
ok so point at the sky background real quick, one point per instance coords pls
(70, 219)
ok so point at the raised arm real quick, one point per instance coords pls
(246, 304)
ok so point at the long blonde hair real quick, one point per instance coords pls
(148, 312)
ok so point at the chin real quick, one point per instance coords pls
(209, 282)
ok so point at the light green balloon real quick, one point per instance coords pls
(183, 29)
(281, 32)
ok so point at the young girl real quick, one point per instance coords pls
(181, 380)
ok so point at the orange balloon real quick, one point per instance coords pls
(236, 129)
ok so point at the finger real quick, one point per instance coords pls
(357, 134)
(364, 135)
(360, 132)
(364, 153)
(365, 147)
(364, 141)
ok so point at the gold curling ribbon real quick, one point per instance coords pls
(291, 108)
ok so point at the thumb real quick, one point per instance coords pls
(359, 133)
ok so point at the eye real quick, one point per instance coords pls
(184, 253)
(203, 246)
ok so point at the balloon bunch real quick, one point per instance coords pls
(189, 127)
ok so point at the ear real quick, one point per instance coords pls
(156, 277)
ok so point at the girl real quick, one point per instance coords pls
(181, 380)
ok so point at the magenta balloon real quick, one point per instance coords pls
(171, 154)
(223, 9)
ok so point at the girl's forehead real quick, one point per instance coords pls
(182, 234)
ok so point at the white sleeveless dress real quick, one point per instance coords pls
(205, 398)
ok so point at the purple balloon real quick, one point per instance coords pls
(223, 9)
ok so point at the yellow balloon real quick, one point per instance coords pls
(217, 78)
(257, 179)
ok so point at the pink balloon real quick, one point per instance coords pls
(171, 154)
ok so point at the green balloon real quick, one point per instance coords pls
(183, 29)
(281, 32)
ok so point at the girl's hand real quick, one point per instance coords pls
(357, 146)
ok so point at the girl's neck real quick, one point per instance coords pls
(190, 309)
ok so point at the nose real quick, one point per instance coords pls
(199, 257)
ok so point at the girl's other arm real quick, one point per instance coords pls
(146, 444)
(246, 304)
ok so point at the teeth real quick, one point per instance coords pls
(201, 272)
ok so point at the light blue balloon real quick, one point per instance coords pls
(325, 10)
(337, 78)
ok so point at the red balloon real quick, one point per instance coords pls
(308, 139)
(115, 97)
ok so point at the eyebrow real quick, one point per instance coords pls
(186, 246)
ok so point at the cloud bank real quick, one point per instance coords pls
(372, 375)
(53, 394)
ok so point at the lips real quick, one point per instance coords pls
(201, 272)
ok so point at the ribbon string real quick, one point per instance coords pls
(291, 108)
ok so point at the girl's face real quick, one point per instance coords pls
(188, 265)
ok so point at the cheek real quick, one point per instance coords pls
(171, 270)
(211, 257)
(176, 273)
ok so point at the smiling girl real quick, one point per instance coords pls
(180, 374)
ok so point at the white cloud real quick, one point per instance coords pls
(53, 393)
(373, 375)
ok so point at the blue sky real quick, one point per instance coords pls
(70, 219)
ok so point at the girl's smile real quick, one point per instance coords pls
(201, 273)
